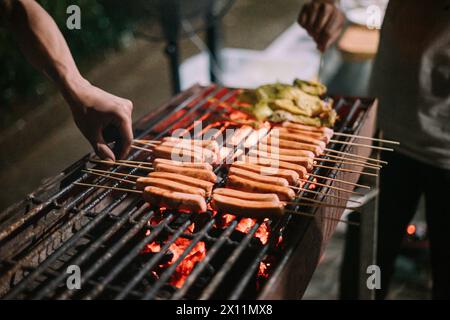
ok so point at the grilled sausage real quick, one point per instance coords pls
(286, 144)
(254, 209)
(195, 165)
(286, 152)
(167, 184)
(267, 197)
(208, 144)
(303, 161)
(239, 135)
(193, 182)
(242, 184)
(290, 175)
(279, 164)
(297, 138)
(314, 135)
(258, 177)
(178, 154)
(327, 131)
(254, 138)
(208, 154)
(190, 172)
(174, 200)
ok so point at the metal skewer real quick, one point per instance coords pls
(355, 155)
(331, 187)
(121, 164)
(346, 170)
(361, 145)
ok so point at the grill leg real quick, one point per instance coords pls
(172, 53)
(360, 252)
(213, 41)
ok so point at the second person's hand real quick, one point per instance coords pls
(323, 21)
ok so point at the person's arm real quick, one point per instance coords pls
(44, 46)
(323, 21)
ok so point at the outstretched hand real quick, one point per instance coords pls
(94, 110)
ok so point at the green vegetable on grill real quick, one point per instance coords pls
(299, 103)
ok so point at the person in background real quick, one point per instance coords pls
(93, 109)
(411, 79)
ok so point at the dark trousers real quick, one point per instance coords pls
(402, 182)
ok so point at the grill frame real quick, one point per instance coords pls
(70, 212)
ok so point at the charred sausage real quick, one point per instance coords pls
(247, 208)
(193, 182)
(258, 177)
(141, 183)
(302, 161)
(195, 165)
(174, 200)
(290, 175)
(268, 197)
(190, 172)
(242, 184)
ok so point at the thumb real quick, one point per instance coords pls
(126, 133)
(101, 148)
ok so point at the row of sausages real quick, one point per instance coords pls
(254, 187)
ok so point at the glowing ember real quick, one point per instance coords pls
(263, 233)
(411, 229)
(245, 225)
(185, 267)
(263, 272)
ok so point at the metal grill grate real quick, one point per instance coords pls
(105, 235)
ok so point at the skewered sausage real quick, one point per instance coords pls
(167, 184)
(268, 197)
(258, 177)
(297, 138)
(178, 154)
(208, 154)
(324, 130)
(247, 208)
(254, 138)
(174, 200)
(275, 165)
(290, 175)
(208, 144)
(190, 172)
(287, 152)
(193, 182)
(286, 144)
(195, 165)
(303, 161)
(239, 135)
(314, 135)
(242, 184)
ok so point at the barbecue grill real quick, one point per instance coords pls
(127, 249)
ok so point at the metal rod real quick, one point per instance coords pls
(361, 145)
(107, 187)
(339, 180)
(327, 195)
(366, 165)
(228, 264)
(109, 177)
(355, 156)
(310, 215)
(346, 170)
(331, 187)
(341, 134)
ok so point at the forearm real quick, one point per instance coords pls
(41, 42)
